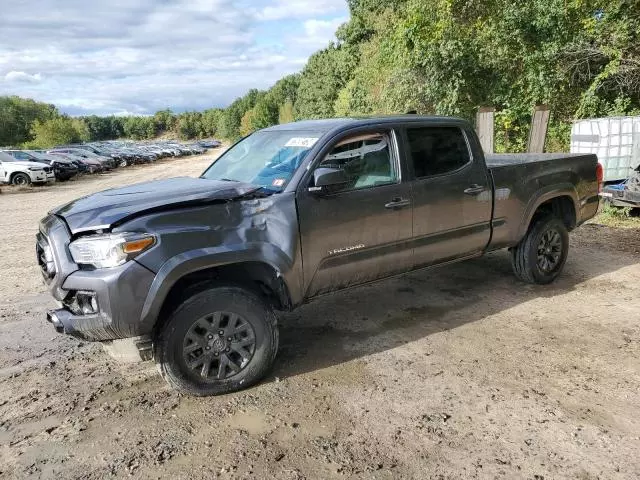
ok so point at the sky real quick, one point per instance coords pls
(126, 57)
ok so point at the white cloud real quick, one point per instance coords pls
(318, 31)
(14, 76)
(138, 57)
(282, 9)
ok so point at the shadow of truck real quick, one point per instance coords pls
(378, 317)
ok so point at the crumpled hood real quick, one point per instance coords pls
(106, 209)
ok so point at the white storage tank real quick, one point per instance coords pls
(616, 141)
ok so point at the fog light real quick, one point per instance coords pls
(83, 303)
(87, 302)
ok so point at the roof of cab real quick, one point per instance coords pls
(325, 125)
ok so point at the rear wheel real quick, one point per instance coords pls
(541, 255)
(217, 341)
(20, 179)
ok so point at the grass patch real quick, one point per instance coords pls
(618, 217)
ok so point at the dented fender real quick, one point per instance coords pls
(202, 259)
(262, 230)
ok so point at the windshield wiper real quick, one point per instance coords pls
(258, 192)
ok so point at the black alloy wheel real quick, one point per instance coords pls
(549, 251)
(218, 339)
(219, 345)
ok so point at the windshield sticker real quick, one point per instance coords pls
(307, 142)
(278, 182)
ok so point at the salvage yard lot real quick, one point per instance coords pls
(459, 372)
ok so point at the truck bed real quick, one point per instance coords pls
(519, 179)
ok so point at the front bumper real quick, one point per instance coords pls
(39, 177)
(120, 292)
(127, 350)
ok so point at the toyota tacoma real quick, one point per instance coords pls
(189, 272)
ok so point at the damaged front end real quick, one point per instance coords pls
(235, 231)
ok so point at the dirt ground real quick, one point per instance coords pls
(460, 372)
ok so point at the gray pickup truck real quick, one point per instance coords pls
(189, 271)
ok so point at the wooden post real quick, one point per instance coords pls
(538, 132)
(484, 127)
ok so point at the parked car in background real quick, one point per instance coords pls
(90, 165)
(625, 194)
(122, 159)
(23, 172)
(66, 161)
(209, 143)
(62, 169)
(107, 163)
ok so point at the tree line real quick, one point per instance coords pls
(446, 57)
(27, 123)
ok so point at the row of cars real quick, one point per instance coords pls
(25, 167)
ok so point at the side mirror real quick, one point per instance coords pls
(328, 177)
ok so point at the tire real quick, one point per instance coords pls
(546, 232)
(20, 179)
(231, 361)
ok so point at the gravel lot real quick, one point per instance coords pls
(460, 372)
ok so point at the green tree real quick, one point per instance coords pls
(210, 121)
(247, 122)
(100, 128)
(229, 126)
(17, 116)
(164, 120)
(116, 125)
(139, 128)
(264, 113)
(285, 112)
(327, 72)
(189, 125)
(57, 131)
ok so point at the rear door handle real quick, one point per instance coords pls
(397, 203)
(474, 190)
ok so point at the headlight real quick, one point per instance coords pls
(110, 250)
(35, 169)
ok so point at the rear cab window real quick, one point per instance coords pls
(437, 150)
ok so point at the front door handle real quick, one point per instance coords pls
(474, 190)
(397, 203)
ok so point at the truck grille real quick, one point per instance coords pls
(45, 258)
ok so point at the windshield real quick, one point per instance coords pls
(264, 159)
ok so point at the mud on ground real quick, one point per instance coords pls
(460, 372)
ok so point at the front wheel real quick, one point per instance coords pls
(540, 256)
(217, 341)
(21, 179)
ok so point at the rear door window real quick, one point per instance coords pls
(437, 150)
